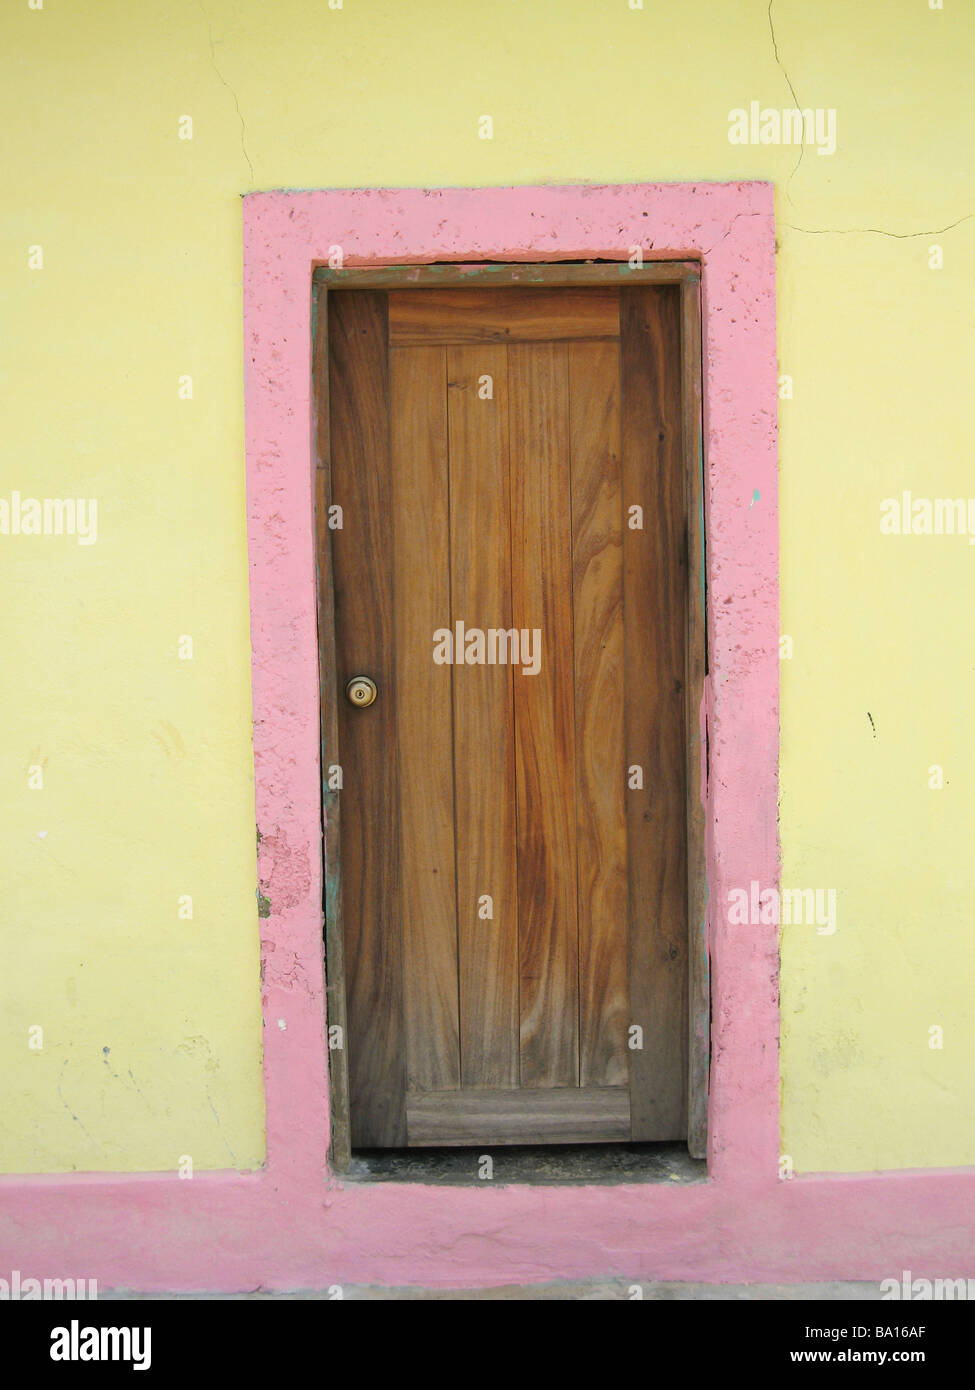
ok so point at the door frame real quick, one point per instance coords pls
(686, 274)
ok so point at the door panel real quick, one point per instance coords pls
(421, 577)
(653, 589)
(541, 570)
(504, 315)
(364, 617)
(526, 1116)
(514, 899)
(484, 751)
(597, 604)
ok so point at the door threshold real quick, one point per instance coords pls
(540, 1165)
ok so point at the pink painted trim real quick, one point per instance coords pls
(294, 1226)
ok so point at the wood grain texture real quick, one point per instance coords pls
(544, 714)
(483, 752)
(363, 579)
(424, 716)
(597, 604)
(699, 984)
(557, 1116)
(506, 315)
(654, 596)
(340, 1146)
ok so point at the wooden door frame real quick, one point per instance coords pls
(687, 275)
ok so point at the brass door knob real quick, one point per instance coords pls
(361, 691)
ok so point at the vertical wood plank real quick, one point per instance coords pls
(544, 714)
(363, 576)
(484, 768)
(336, 1014)
(597, 583)
(699, 987)
(421, 587)
(654, 596)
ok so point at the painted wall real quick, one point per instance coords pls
(152, 1030)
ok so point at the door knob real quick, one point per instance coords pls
(361, 691)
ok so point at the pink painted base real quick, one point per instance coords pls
(293, 1225)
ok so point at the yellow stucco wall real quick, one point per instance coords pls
(151, 1022)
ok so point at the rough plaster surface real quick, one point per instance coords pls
(293, 1225)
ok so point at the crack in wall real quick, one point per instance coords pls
(731, 228)
(877, 231)
(213, 63)
(68, 1107)
(838, 231)
(802, 142)
(213, 1109)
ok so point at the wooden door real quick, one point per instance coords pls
(509, 569)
